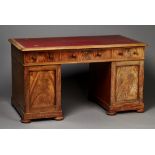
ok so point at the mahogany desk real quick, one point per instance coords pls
(116, 73)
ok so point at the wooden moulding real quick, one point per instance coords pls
(16, 44)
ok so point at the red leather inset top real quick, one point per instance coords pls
(74, 41)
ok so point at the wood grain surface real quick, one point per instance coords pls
(127, 83)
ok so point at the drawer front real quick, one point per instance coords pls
(85, 55)
(102, 54)
(42, 57)
(69, 56)
(128, 53)
(95, 54)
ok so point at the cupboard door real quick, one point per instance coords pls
(127, 82)
(43, 89)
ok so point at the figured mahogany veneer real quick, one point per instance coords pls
(116, 73)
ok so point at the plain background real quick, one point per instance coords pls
(79, 113)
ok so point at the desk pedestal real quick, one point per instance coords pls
(117, 86)
(36, 91)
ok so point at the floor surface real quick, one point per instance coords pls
(80, 113)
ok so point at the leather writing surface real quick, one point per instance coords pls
(74, 41)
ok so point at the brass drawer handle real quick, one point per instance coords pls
(51, 56)
(135, 53)
(86, 52)
(99, 54)
(74, 56)
(34, 58)
(120, 53)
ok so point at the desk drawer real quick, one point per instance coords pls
(102, 54)
(128, 53)
(69, 56)
(95, 54)
(42, 57)
(85, 55)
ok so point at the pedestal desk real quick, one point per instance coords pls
(116, 73)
